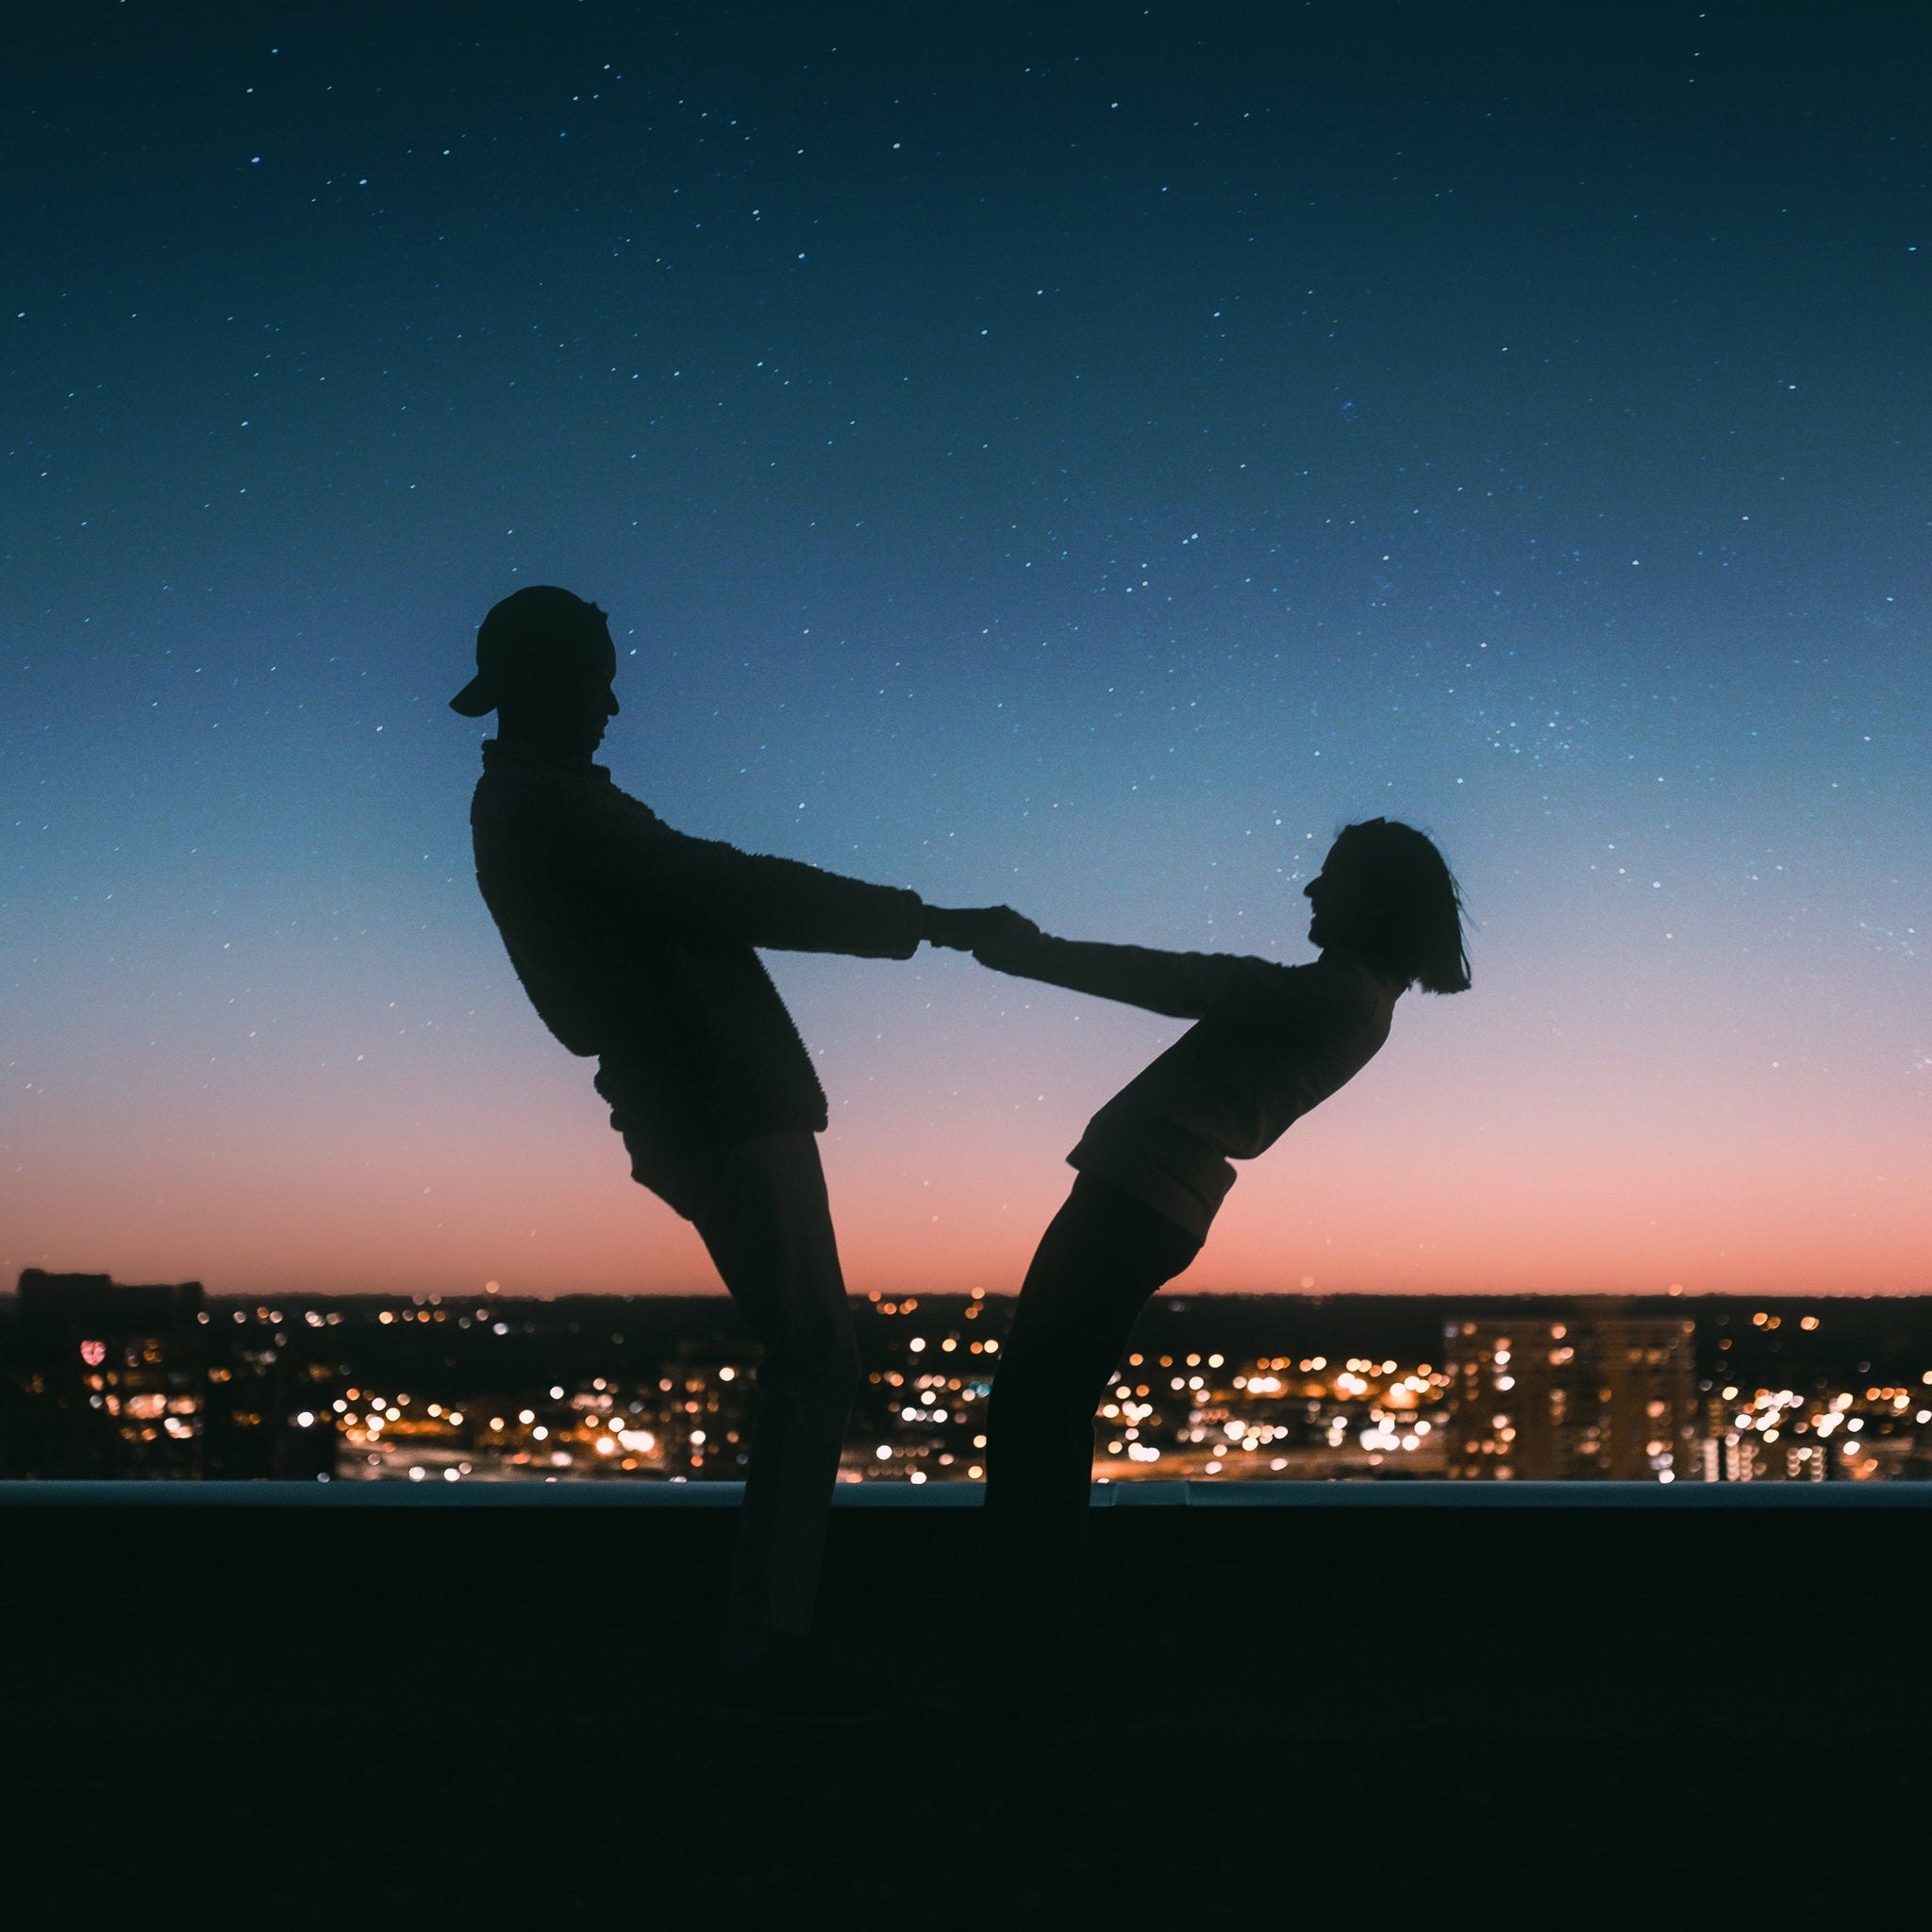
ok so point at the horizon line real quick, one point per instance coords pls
(424, 1297)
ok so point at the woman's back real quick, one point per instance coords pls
(1271, 1042)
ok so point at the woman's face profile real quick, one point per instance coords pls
(1330, 895)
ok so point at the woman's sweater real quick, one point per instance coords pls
(1272, 1042)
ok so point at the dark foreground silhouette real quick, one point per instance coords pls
(635, 944)
(1271, 1043)
(409, 1715)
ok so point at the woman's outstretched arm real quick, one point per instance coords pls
(1185, 986)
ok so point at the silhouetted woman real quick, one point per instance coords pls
(1272, 1042)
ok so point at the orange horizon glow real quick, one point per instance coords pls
(1466, 1159)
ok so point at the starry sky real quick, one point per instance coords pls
(1072, 456)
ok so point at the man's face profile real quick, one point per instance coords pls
(563, 698)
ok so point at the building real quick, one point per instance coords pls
(104, 1378)
(1593, 1393)
(1647, 1411)
(108, 1380)
(706, 1398)
(271, 1376)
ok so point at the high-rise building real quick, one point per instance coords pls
(1512, 1397)
(1647, 1408)
(1596, 1394)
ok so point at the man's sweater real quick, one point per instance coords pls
(1273, 1042)
(635, 944)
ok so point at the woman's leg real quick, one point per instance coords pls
(1101, 1261)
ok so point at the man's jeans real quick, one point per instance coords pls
(761, 1210)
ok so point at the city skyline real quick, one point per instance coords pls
(106, 1380)
(1080, 461)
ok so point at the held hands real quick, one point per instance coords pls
(994, 935)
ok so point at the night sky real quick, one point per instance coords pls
(1074, 457)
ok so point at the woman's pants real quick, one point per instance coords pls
(1102, 1260)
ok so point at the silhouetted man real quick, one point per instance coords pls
(634, 942)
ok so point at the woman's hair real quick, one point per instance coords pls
(1404, 913)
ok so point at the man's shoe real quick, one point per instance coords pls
(795, 1679)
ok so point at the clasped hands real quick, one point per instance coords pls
(996, 936)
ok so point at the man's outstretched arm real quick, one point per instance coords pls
(698, 891)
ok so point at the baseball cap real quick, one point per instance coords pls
(539, 629)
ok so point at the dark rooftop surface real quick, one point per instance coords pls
(1439, 1702)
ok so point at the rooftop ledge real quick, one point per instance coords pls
(475, 1494)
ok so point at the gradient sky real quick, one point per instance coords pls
(1076, 457)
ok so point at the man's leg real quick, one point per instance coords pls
(1103, 1257)
(764, 1216)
